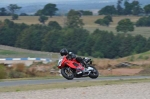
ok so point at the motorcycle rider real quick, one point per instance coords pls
(64, 52)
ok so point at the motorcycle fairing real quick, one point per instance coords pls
(71, 63)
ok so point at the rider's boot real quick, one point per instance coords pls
(88, 69)
(79, 71)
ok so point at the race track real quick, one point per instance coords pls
(48, 81)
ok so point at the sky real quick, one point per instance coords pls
(30, 1)
(53, 1)
(34, 1)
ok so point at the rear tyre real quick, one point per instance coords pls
(94, 74)
(67, 73)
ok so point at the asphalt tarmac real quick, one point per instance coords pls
(49, 81)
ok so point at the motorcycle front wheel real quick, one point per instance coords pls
(67, 73)
(94, 74)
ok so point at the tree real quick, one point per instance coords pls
(100, 22)
(128, 8)
(147, 9)
(88, 45)
(132, 8)
(10, 31)
(54, 25)
(86, 12)
(3, 12)
(143, 21)
(136, 10)
(38, 13)
(49, 9)
(119, 8)
(125, 25)
(139, 43)
(52, 41)
(108, 17)
(43, 18)
(125, 48)
(103, 22)
(74, 39)
(13, 7)
(31, 37)
(73, 19)
(14, 17)
(107, 10)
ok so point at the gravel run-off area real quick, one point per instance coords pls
(123, 91)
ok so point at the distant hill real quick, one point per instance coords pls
(65, 5)
(31, 8)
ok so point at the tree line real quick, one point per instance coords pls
(52, 38)
(123, 7)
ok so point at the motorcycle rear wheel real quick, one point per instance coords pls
(94, 74)
(67, 73)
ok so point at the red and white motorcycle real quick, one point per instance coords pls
(71, 68)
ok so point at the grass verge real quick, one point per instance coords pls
(66, 85)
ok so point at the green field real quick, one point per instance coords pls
(88, 21)
(12, 52)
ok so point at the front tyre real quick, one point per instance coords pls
(67, 73)
(94, 73)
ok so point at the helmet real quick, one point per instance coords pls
(63, 52)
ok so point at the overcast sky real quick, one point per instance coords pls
(30, 1)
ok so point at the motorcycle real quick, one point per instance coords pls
(71, 68)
